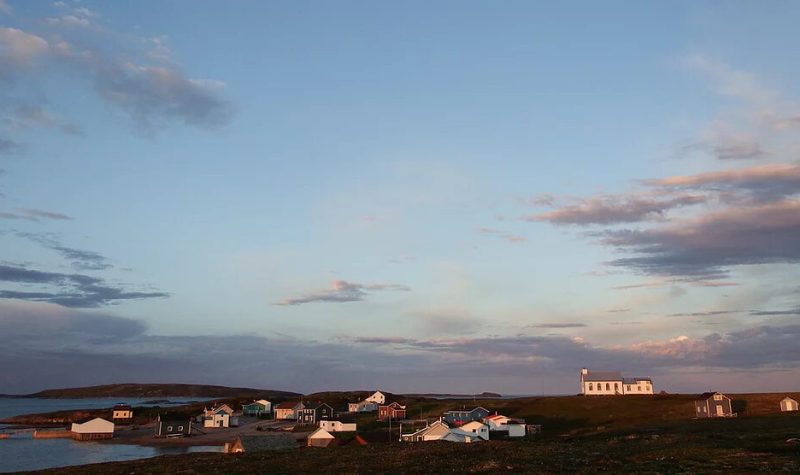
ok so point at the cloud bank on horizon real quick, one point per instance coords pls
(366, 208)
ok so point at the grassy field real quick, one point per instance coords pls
(581, 434)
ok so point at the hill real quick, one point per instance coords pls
(160, 391)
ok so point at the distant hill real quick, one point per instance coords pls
(161, 391)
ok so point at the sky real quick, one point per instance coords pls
(451, 196)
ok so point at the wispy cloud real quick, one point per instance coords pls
(342, 291)
(80, 259)
(497, 233)
(613, 209)
(732, 82)
(33, 214)
(68, 290)
(558, 325)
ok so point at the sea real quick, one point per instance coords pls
(22, 452)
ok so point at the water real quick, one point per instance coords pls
(36, 454)
(22, 452)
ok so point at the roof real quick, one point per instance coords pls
(121, 407)
(496, 416)
(603, 376)
(707, 395)
(320, 434)
(357, 440)
(787, 398)
(255, 443)
(635, 380)
(287, 405)
(453, 411)
(169, 416)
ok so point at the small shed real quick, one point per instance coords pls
(261, 443)
(788, 404)
(320, 438)
(713, 404)
(92, 429)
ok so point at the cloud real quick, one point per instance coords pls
(29, 115)
(19, 49)
(5, 7)
(342, 291)
(558, 325)
(122, 69)
(80, 259)
(791, 312)
(153, 95)
(512, 238)
(68, 290)
(763, 183)
(705, 248)
(33, 214)
(446, 321)
(8, 147)
(711, 313)
(732, 82)
(44, 343)
(613, 209)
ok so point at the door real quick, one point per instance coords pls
(720, 410)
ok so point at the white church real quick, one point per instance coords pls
(611, 383)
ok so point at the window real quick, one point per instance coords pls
(590, 387)
(608, 387)
(718, 397)
(169, 428)
(639, 388)
(629, 387)
(180, 428)
(616, 386)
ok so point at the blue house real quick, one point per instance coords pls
(460, 417)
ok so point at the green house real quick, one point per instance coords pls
(257, 408)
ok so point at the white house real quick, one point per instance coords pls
(501, 423)
(478, 428)
(436, 431)
(788, 404)
(220, 416)
(320, 438)
(93, 429)
(377, 397)
(337, 426)
(610, 383)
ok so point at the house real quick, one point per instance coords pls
(501, 426)
(220, 416)
(121, 413)
(393, 411)
(435, 431)
(257, 408)
(713, 404)
(476, 427)
(312, 415)
(173, 425)
(337, 426)
(260, 443)
(320, 438)
(459, 417)
(92, 429)
(288, 410)
(610, 383)
(362, 406)
(788, 404)
(456, 434)
(377, 397)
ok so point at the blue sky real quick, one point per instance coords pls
(399, 195)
